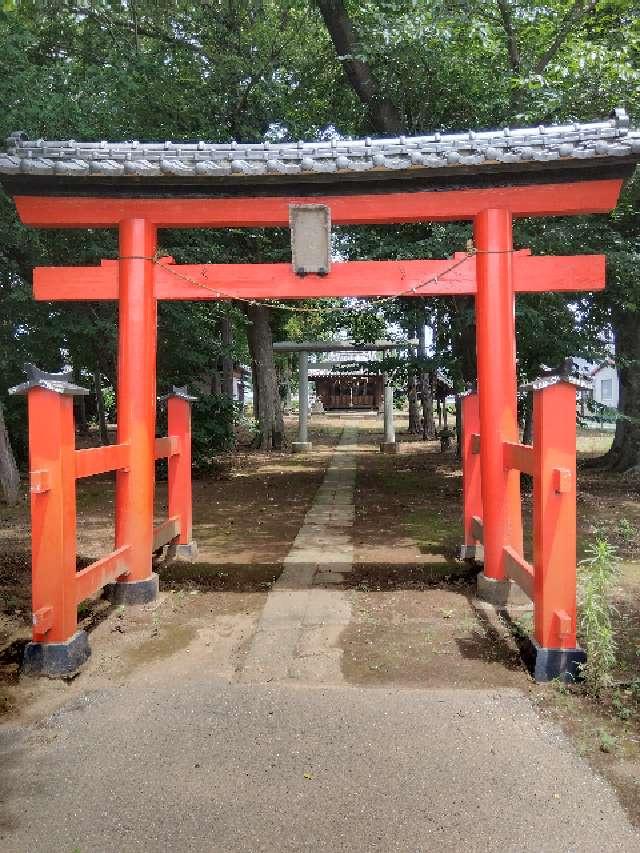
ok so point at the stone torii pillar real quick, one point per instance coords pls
(389, 443)
(303, 444)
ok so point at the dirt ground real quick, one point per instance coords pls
(415, 621)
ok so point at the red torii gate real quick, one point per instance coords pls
(61, 193)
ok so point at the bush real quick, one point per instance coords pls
(597, 572)
(212, 417)
(211, 428)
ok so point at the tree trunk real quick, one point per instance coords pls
(527, 430)
(464, 342)
(625, 450)
(79, 406)
(102, 415)
(414, 412)
(428, 423)
(226, 329)
(267, 408)
(9, 476)
(383, 114)
(412, 394)
(426, 390)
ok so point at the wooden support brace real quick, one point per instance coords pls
(99, 460)
(166, 532)
(42, 620)
(477, 528)
(39, 481)
(104, 571)
(562, 480)
(518, 457)
(519, 571)
(167, 446)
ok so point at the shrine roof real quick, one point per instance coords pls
(575, 151)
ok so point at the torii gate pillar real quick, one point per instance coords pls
(497, 393)
(136, 408)
(303, 444)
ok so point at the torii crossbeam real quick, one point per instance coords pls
(455, 277)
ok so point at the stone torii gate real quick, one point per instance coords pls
(303, 348)
(487, 178)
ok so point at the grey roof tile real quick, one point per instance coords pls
(609, 139)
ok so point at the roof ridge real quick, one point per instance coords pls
(611, 138)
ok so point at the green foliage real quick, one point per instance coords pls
(607, 741)
(597, 573)
(266, 69)
(211, 429)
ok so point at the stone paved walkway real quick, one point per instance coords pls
(304, 615)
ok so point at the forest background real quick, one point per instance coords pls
(285, 70)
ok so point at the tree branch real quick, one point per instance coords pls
(509, 31)
(384, 115)
(576, 13)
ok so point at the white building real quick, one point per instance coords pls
(606, 385)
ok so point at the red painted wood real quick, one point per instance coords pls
(497, 388)
(99, 574)
(98, 460)
(166, 446)
(471, 495)
(563, 199)
(179, 486)
(53, 515)
(355, 278)
(554, 516)
(518, 457)
(136, 394)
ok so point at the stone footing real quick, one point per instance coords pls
(495, 592)
(301, 446)
(500, 593)
(390, 447)
(550, 664)
(186, 553)
(57, 660)
(475, 553)
(133, 592)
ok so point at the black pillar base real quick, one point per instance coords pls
(133, 592)
(550, 664)
(57, 660)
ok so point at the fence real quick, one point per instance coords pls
(550, 580)
(55, 467)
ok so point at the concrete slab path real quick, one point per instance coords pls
(221, 767)
(304, 615)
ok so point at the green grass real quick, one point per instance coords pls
(431, 532)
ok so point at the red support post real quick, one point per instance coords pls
(496, 355)
(180, 498)
(553, 651)
(136, 409)
(57, 647)
(471, 495)
(53, 515)
(554, 515)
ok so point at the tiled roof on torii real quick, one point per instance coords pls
(574, 151)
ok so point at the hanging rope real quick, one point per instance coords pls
(470, 252)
